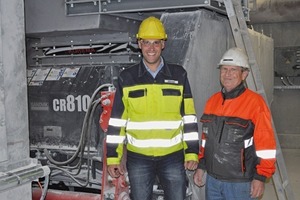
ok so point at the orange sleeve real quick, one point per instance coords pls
(265, 142)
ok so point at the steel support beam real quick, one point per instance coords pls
(79, 7)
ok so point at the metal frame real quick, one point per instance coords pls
(104, 49)
(85, 7)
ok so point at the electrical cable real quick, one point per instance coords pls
(88, 137)
(284, 83)
(46, 184)
(81, 141)
(85, 138)
(289, 81)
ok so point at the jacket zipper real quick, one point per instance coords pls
(243, 161)
(221, 131)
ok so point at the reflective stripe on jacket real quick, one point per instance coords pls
(154, 117)
(238, 142)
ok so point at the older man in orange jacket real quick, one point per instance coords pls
(238, 144)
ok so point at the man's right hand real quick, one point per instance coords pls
(115, 170)
(198, 178)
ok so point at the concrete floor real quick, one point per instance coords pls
(292, 161)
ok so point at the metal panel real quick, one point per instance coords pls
(82, 7)
(74, 7)
(88, 49)
(263, 47)
(46, 17)
(197, 41)
(287, 61)
(58, 101)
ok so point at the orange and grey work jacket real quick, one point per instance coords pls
(153, 116)
(238, 142)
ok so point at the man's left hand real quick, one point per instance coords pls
(190, 165)
(257, 188)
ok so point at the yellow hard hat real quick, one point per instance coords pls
(151, 28)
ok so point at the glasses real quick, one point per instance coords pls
(148, 43)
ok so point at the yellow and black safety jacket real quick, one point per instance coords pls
(153, 116)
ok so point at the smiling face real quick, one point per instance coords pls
(151, 50)
(232, 76)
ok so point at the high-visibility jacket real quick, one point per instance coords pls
(153, 116)
(238, 142)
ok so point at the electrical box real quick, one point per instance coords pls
(287, 61)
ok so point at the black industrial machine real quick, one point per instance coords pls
(70, 89)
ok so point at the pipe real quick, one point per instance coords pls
(12, 179)
(64, 195)
(287, 87)
(274, 11)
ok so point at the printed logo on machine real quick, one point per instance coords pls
(72, 103)
(53, 131)
(39, 106)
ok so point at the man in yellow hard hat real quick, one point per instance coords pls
(154, 115)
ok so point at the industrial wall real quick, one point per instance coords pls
(13, 97)
(17, 169)
(285, 105)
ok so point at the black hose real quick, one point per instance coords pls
(81, 145)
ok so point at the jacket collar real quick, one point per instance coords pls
(165, 69)
(233, 93)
